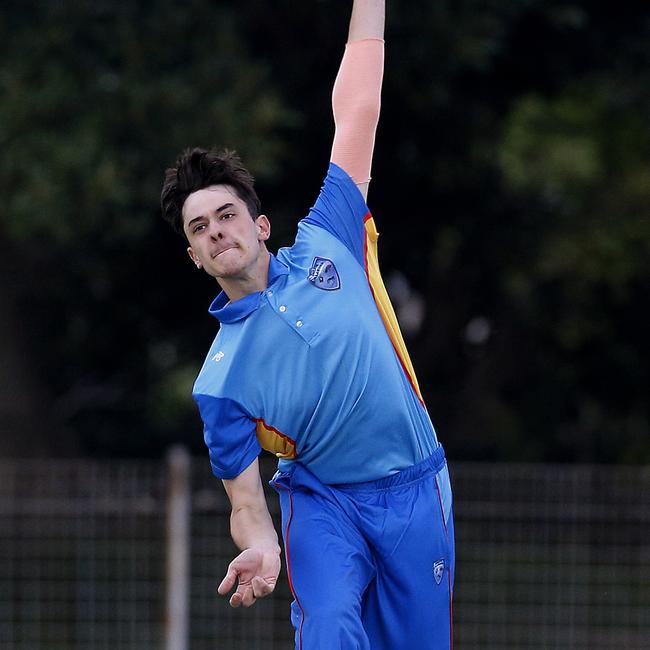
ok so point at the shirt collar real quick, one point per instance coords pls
(230, 312)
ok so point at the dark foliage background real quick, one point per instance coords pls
(511, 187)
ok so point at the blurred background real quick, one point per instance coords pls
(511, 188)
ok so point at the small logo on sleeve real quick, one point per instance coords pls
(323, 274)
(438, 570)
(217, 357)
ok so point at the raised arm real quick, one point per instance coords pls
(256, 568)
(357, 91)
(367, 20)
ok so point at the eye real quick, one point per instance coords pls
(198, 228)
(226, 215)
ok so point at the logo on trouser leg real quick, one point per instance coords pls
(438, 570)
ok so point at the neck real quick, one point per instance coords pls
(255, 280)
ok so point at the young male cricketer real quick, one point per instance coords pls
(309, 363)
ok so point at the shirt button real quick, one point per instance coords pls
(269, 293)
(283, 308)
(298, 323)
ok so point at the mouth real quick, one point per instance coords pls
(223, 250)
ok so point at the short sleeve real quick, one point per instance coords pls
(342, 211)
(229, 433)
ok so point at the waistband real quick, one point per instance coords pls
(428, 467)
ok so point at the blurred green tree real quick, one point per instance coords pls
(98, 98)
(511, 190)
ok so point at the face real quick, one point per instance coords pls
(223, 238)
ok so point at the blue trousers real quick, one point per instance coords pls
(370, 565)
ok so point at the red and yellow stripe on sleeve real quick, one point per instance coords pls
(274, 441)
(383, 303)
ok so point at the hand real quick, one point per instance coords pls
(257, 571)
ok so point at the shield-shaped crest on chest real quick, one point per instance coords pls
(323, 274)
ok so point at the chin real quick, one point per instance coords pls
(229, 273)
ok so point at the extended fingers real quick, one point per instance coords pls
(237, 599)
(261, 587)
(228, 582)
(246, 595)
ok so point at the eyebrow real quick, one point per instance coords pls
(225, 206)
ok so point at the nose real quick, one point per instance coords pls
(215, 231)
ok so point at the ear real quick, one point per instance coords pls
(194, 257)
(263, 227)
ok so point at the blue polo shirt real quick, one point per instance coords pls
(314, 368)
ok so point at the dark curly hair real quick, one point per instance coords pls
(196, 169)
